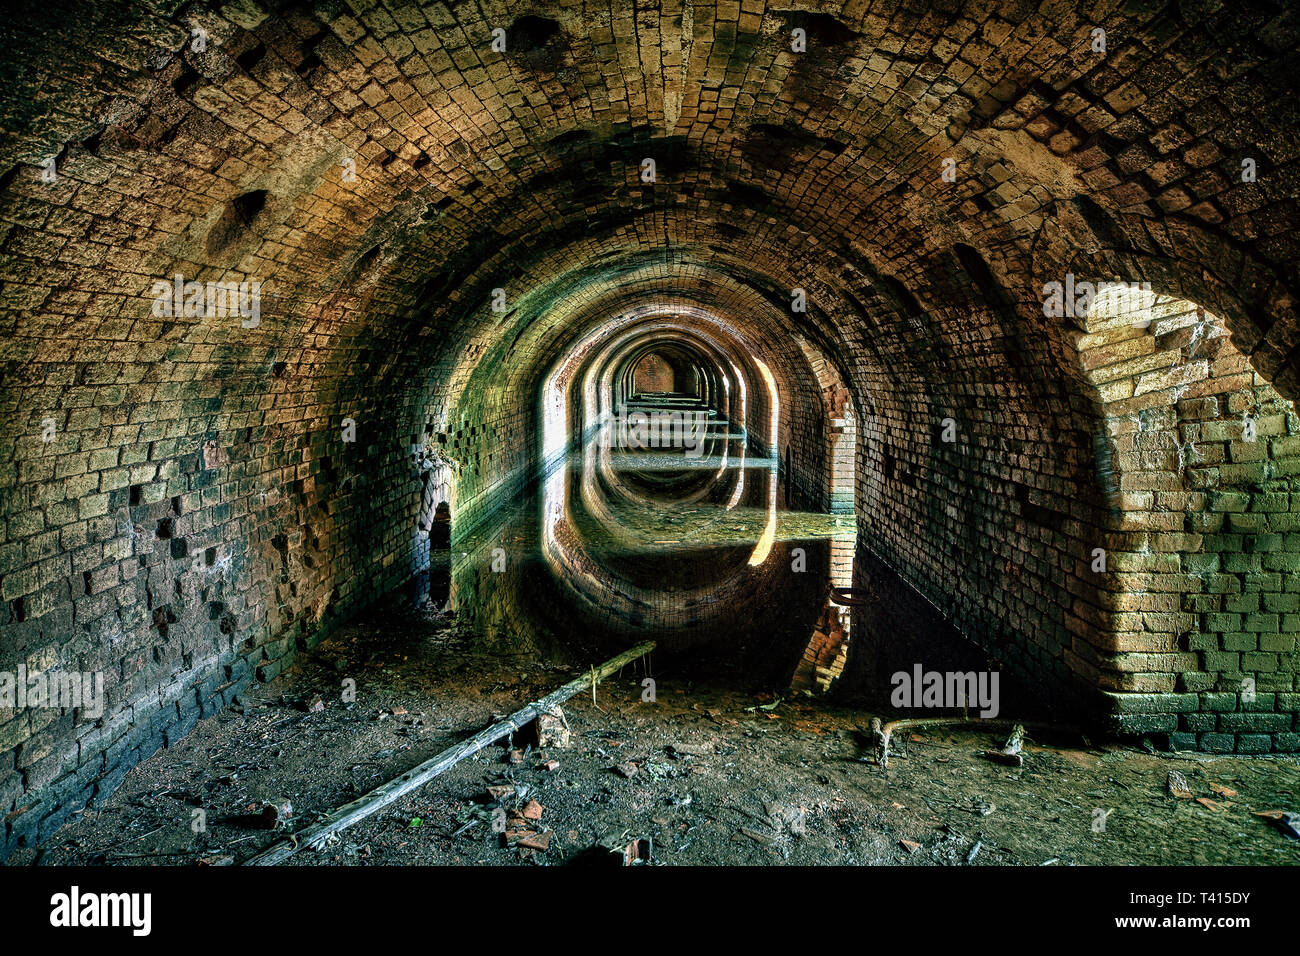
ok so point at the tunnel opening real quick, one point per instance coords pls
(666, 504)
(655, 503)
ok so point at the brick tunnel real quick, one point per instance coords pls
(811, 340)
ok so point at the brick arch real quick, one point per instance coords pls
(1190, 625)
(1195, 261)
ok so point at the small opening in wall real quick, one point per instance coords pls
(440, 527)
(530, 33)
(235, 220)
(251, 57)
(311, 58)
(822, 28)
(186, 81)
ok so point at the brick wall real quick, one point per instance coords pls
(653, 374)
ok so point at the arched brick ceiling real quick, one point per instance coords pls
(476, 167)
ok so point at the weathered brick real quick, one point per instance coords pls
(1124, 427)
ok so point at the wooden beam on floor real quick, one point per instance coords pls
(417, 776)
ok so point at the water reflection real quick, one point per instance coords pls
(592, 562)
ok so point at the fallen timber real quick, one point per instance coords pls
(416, 777)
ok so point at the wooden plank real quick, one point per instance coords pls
(416, 777)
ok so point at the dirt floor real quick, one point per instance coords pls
(717, 779)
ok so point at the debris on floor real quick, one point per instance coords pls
(1010, 754)
(1176, 784)
(693, 778)
(1284, 820)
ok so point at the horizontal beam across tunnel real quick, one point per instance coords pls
(297, 298)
